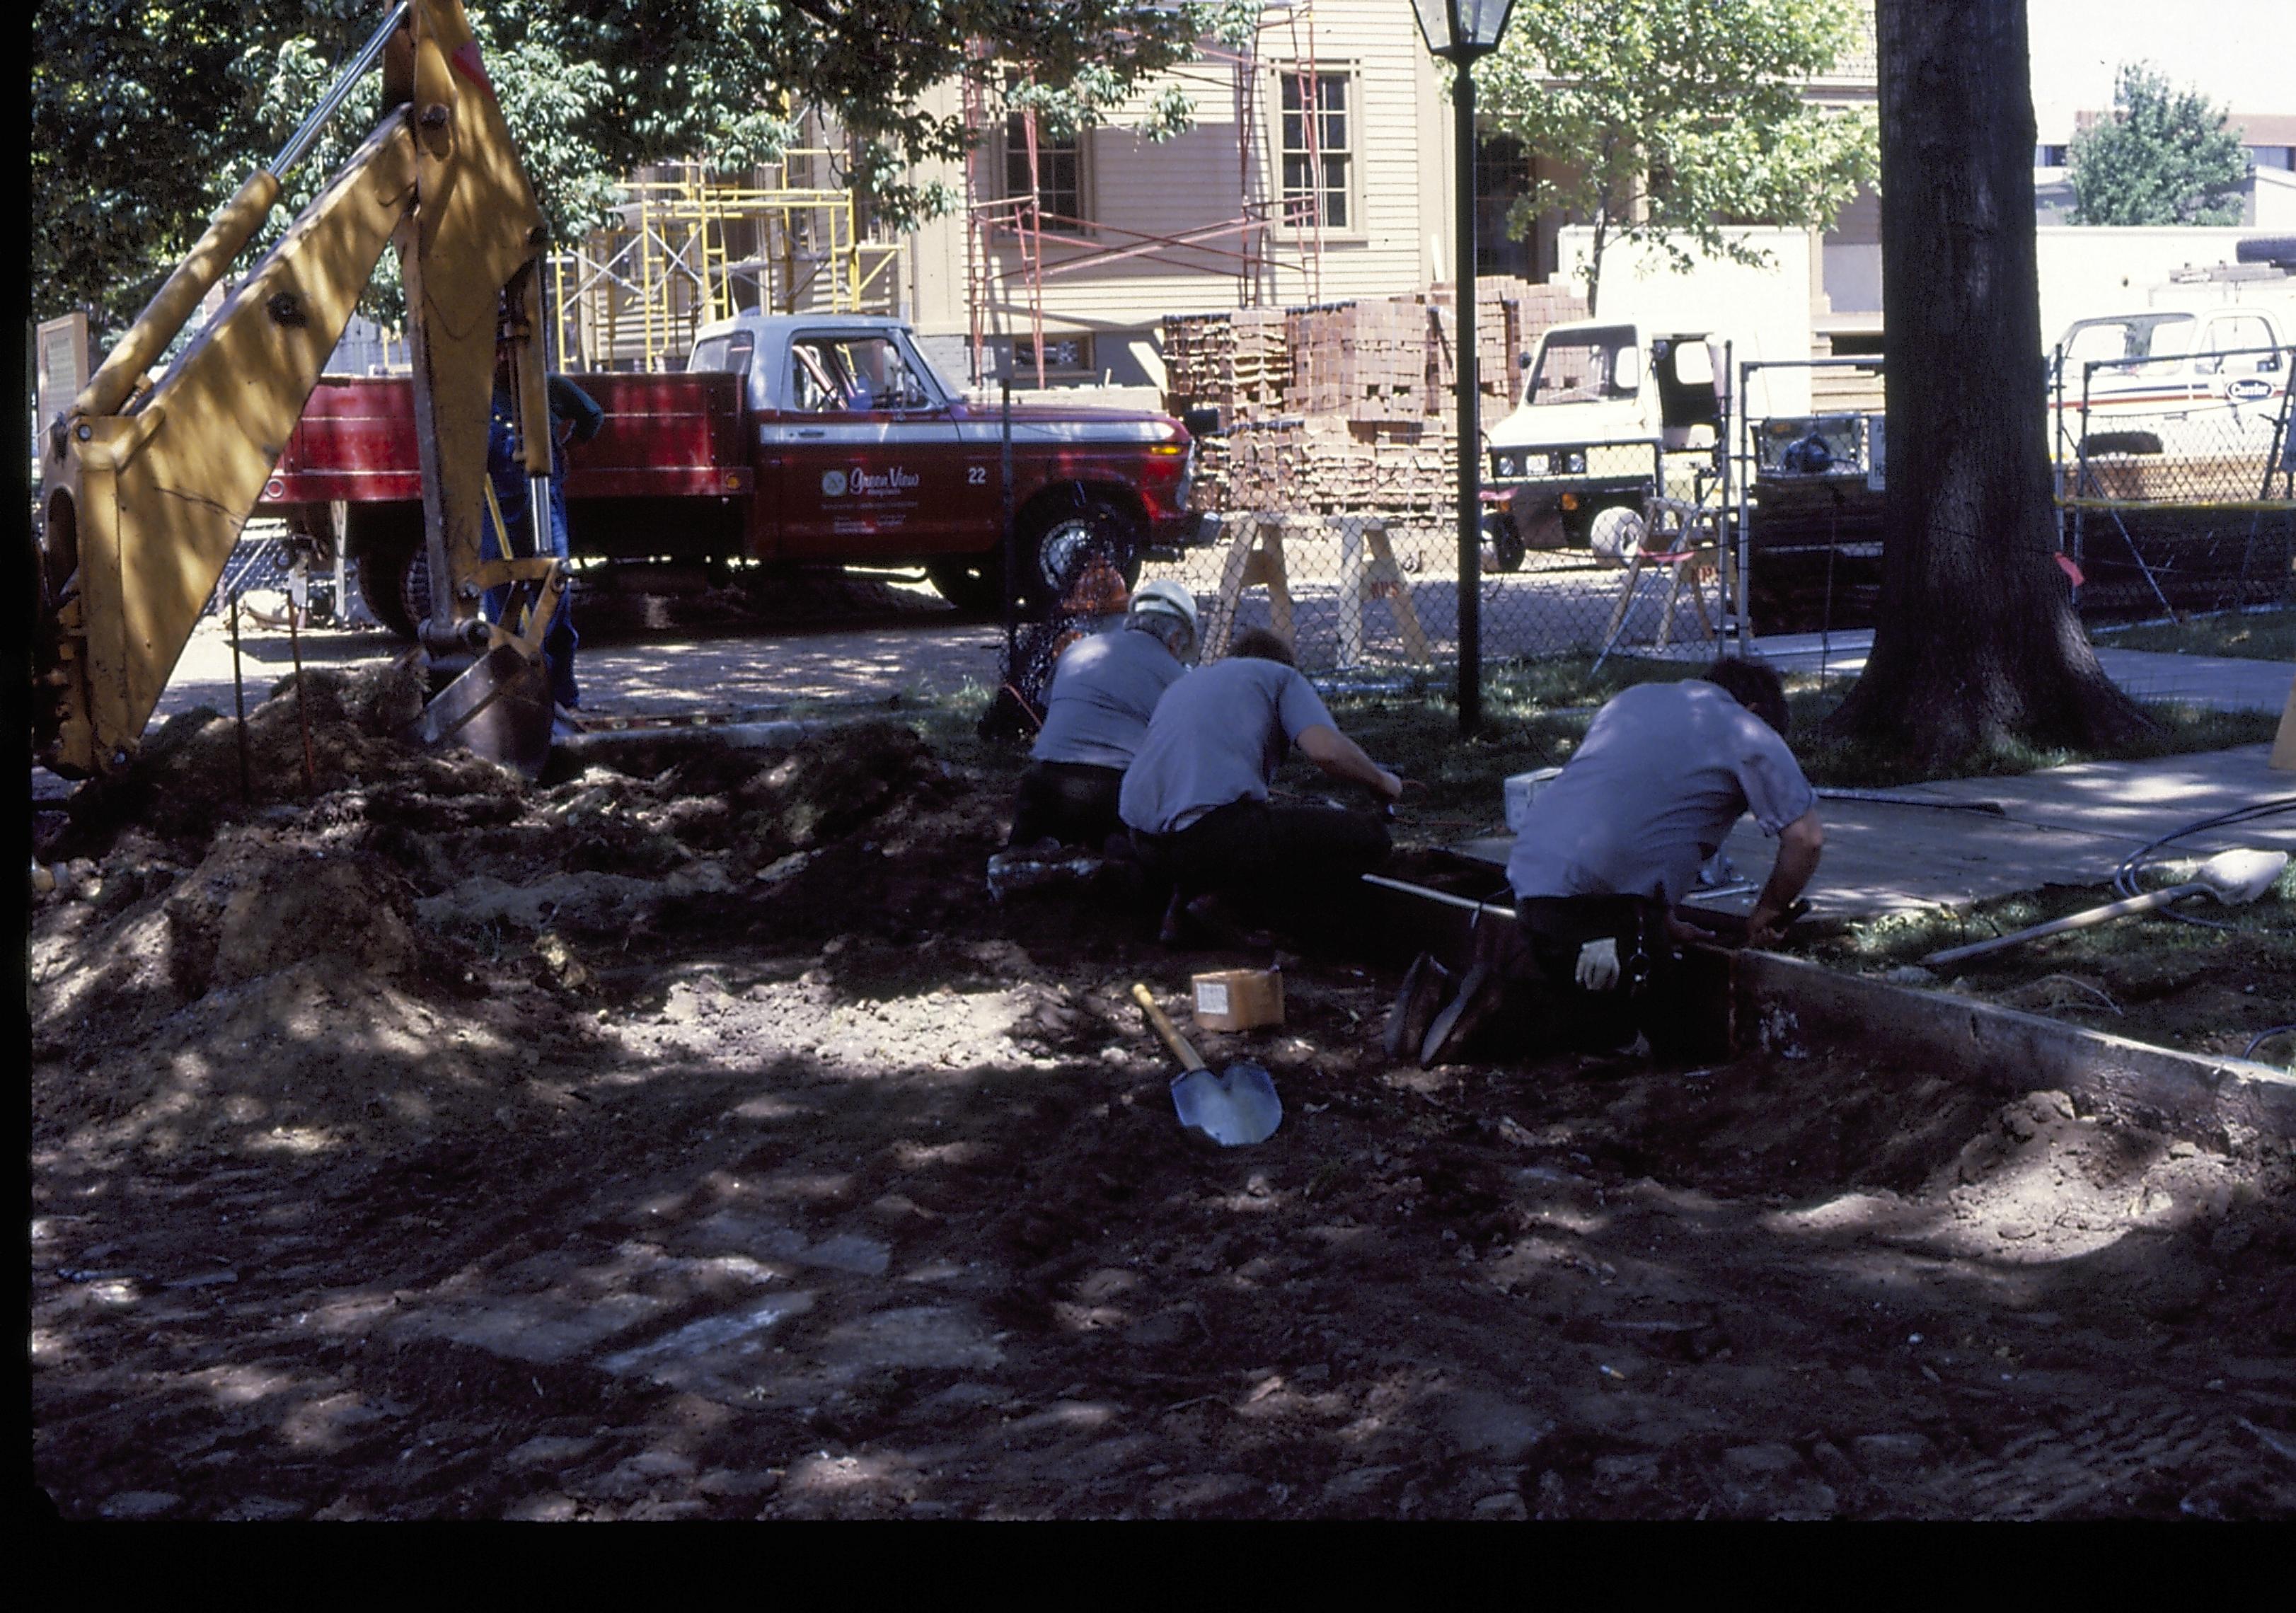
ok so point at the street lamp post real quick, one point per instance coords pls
(1461, 32)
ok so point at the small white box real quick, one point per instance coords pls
(1520, 790)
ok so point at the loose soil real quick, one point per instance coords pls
(704, 1142)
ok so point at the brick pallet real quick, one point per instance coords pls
(1347, 407)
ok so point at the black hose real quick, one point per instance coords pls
(2278, 1030)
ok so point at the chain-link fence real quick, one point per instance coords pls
(2176, 470)
(2174, 493)
(273, 570)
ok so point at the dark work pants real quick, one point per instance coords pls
(1647, 997)
(1071, 802)
(1289, 856)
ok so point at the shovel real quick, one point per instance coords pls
(2234, 878)
(1234, 1107)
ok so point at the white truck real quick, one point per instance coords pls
(1612, 410)
(2199, 374)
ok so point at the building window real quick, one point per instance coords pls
(1066, 357)
(1318, 151)
(2281, 157)
(1059, 173)
(2049, 157)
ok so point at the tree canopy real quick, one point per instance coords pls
(147, 113)
(2163, 157)
(1678, 118)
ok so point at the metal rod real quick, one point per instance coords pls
(1011, 565)
(300, 143)
(239, 704)
(302, 705)
(1444, 897)
(1471, 492)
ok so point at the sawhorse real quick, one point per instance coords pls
(1368, 571)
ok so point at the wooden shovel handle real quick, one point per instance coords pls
(1165, 1028)
(2055, 927)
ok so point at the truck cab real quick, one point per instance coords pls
(2195, 382)
(865, 454)
(1604, 403)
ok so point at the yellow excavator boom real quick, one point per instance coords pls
(144, 493)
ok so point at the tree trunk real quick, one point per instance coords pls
(1977, 642)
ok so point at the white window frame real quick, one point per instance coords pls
(1350, 75)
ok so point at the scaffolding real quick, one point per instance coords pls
(1271, 235)
(684, 251)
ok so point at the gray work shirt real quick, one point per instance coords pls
(1104, 689)
(1218, 736)
(1662, 774)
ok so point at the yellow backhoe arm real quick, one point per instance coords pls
(143, 496)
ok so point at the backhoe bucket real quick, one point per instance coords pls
(499, 708)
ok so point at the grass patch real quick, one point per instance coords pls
(1534, 713)
(2254, 635)
(2148, 977)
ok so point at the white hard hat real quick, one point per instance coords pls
(1171, 598)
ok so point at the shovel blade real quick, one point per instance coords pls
(2236, 878)
(498, 707)
(1234, 1107)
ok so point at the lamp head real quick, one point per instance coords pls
(1460, 30)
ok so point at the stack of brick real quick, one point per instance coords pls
(1347, 407)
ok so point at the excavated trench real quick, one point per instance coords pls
(704, 1143)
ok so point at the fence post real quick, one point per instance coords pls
(1351, 588)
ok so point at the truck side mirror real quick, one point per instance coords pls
(1201, 422)
(1522, 361)
(1627, 377)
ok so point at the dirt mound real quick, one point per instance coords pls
(187, 781)
(260, 902)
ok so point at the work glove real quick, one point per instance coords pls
(1598, 964)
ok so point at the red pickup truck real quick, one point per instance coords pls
(791, 439)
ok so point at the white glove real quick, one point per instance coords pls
(1598, 964)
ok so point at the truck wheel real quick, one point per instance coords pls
(1507, 549)
(1056, 535)
(1616, 534)
(394, 580)
(972, 583)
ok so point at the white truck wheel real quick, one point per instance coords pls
(1616, 534)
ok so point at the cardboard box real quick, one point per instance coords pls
(1521, 789)
(1239, 999)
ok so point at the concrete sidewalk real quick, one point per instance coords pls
(2060, 826)
(2213, 682)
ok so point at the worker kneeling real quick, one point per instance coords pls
(1612, 844)
(1104, 688)
(1196, 798)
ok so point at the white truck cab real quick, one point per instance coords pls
(1602, 403)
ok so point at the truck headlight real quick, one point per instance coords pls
(1567, 462)
(1505, 464)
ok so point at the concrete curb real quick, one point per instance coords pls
(1782, 1004)
(1789, 1006)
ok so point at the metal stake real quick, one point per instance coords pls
(1012, 548)
(239, 704)
(303, 705)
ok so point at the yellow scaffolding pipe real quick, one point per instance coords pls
(673, 261)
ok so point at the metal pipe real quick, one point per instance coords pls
(1444, 897)
(300, 143)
